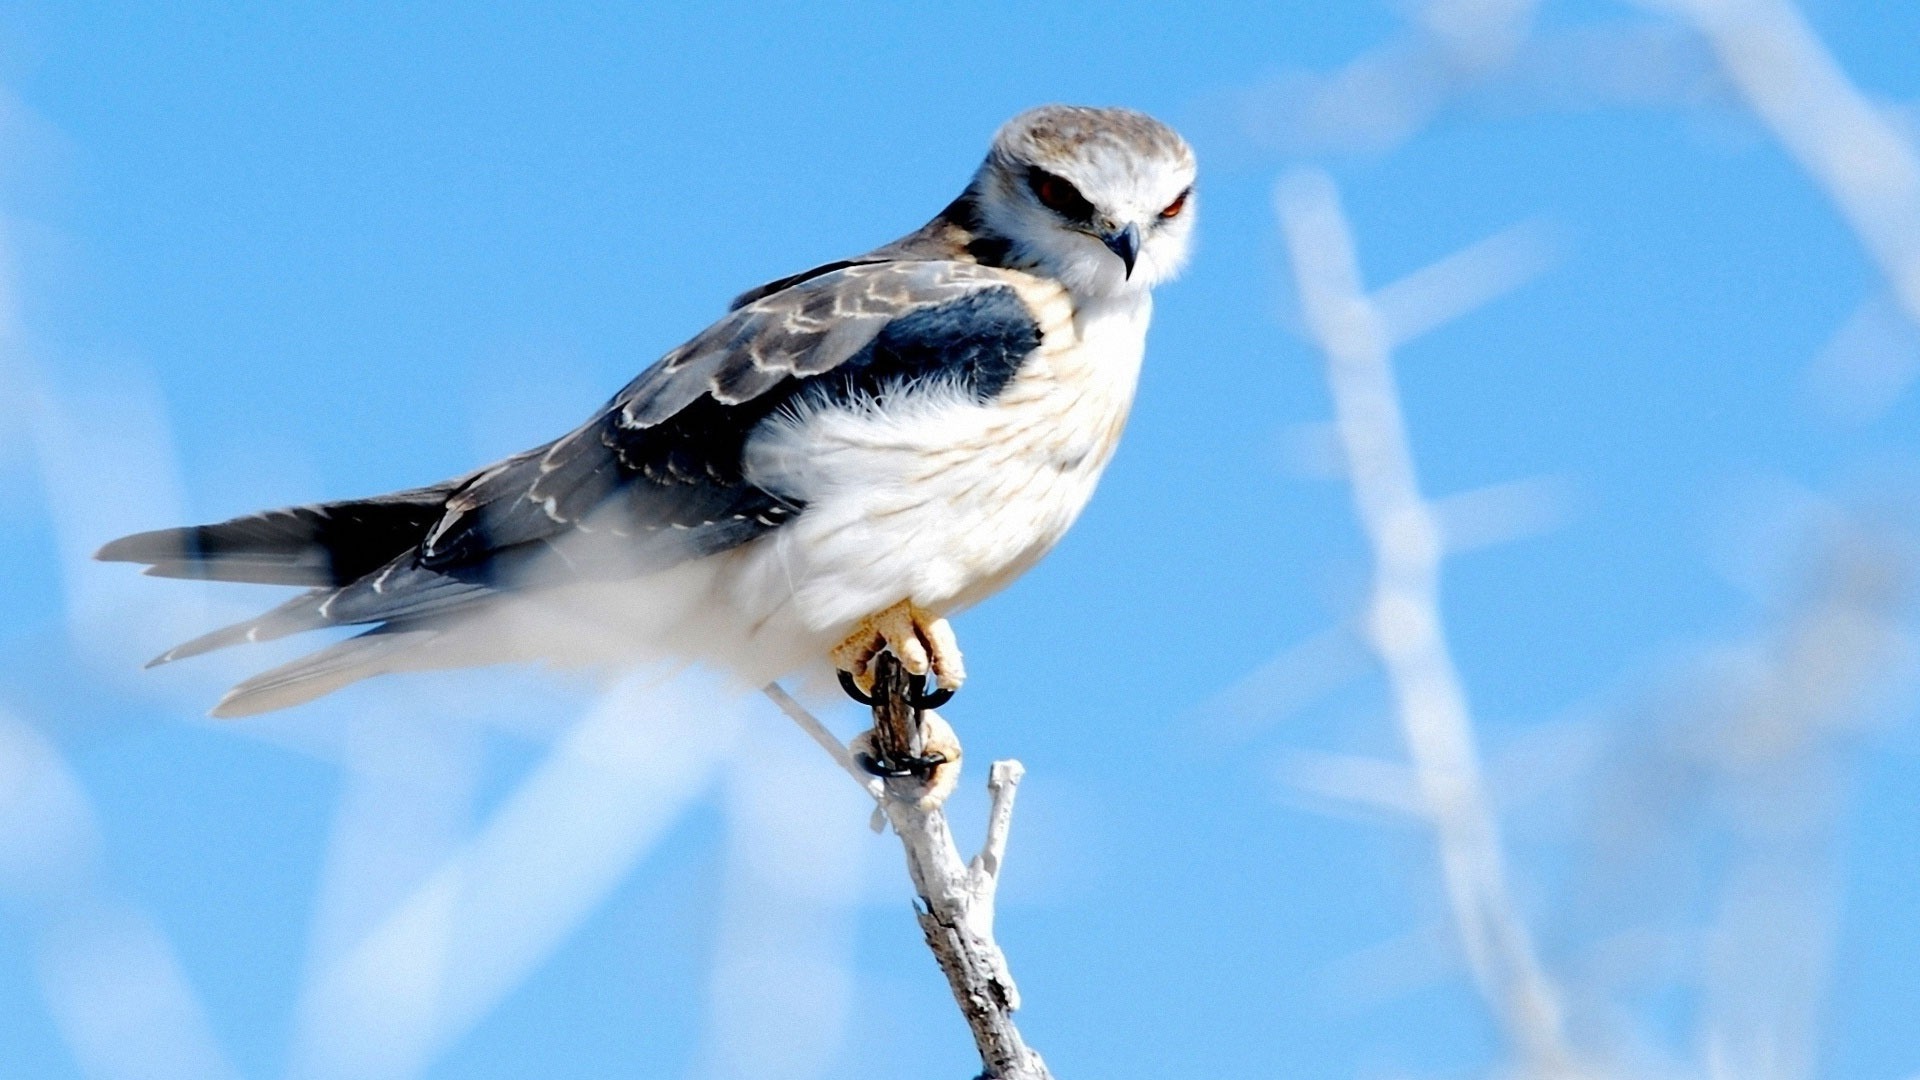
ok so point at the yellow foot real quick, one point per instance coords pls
(923, 641)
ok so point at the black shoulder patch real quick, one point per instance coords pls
(976, 343)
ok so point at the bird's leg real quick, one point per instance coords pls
(923, 642)
(909, 743)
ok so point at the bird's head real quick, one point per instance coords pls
(1101, 199)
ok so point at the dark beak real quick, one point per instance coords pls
(1126, 244)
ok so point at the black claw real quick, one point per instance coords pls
(853, 690)
(920, 768)
(925, 696)
(931, 699)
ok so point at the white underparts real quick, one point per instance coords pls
(940, 499)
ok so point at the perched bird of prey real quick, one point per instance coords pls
(848, 456)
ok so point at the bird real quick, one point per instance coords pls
(846, 458)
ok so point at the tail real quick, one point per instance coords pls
(377, 652)
(358, 559)
(326, 544)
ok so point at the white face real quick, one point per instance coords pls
(1101, 199)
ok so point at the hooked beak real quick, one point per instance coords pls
(1126, 244)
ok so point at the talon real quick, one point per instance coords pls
(923, 642)
(924, 699)
(920, 768)
(925, 696)
(852, 687)
(935, 771)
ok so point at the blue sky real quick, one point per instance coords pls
(265, 255)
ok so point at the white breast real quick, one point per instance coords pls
(941, 499)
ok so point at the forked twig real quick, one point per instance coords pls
(956, 898)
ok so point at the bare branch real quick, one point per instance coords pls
(818, 732)
(956, 907)
(1003, 783)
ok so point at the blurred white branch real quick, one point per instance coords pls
(1387, 95)
(1291, 680)
(115, 987)
(1488, 57)
(1352, 784)
(1771, 728)
(1849, 145)
(1441, 292)
(956, 909)
(1715, 847)
(117, 991)
(1868, 364)
(781, 986)
(481, 922)
(1498, 513)
(1404, 625)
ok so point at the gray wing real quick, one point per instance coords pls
(657, 476)
(815, 326)
(662, 462)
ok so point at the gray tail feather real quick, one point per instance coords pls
(322, 544)
(297, 614)
(376, 652)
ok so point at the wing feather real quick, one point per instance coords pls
(676, 434)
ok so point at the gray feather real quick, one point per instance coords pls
(323, 672)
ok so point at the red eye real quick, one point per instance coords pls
(1059, 196)
(1173, 208)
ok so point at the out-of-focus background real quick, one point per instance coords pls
(1639, 799)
